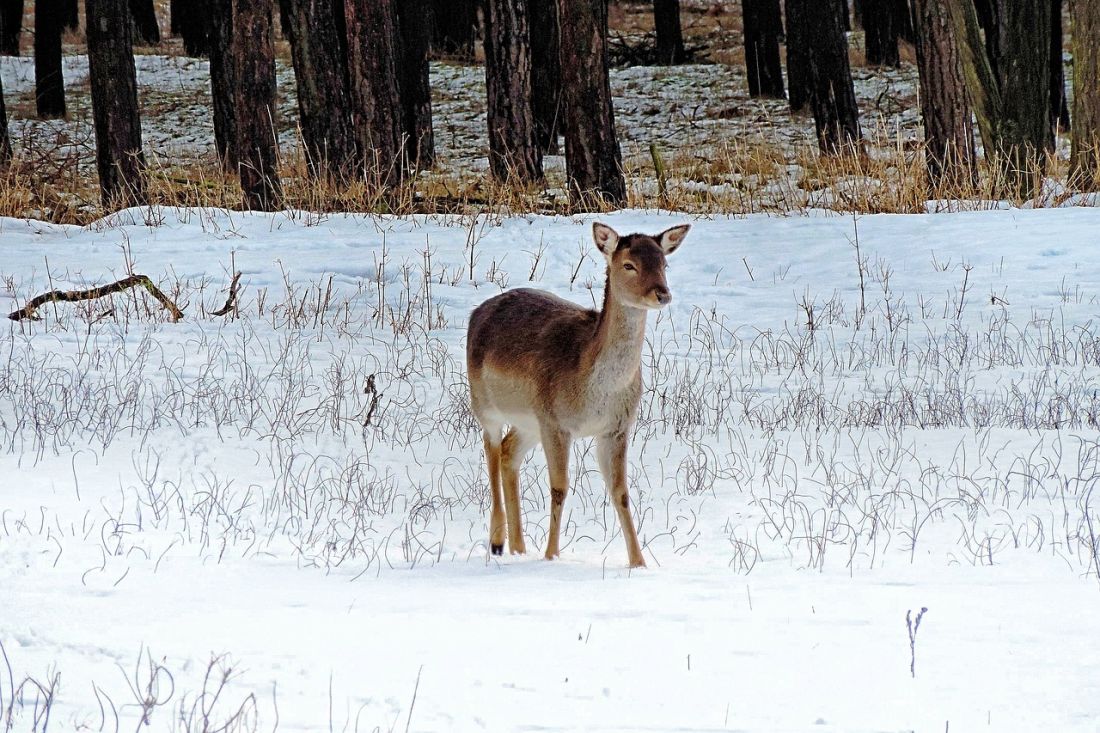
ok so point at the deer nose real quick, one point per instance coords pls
(664, 297)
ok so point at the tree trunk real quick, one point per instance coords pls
(670, 37)
(593, 162)
(11, 25)
(545, 73)
(223, 81)
(1085, 155)
(763, 26)
(375, 103)
(119, 157)
(798, 57)
(194, 24)
(49, 83)
(414, 81)
(324, 100)
(945, 110)
(146, 29)
(514, 155)
(903, 21)
(254, 69)
(881, 37)
(5, 138)
(176, 11)
(832, 96)
(1059, 110)
(70, 15)
(857, 13)
(845, 15)
(454, 28)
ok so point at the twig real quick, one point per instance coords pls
(70, 296)
(231, 300)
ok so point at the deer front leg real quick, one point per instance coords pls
(555, 443)
(611, 450)
(496, 516)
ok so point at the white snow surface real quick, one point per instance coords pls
(204, 495)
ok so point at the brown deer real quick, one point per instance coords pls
(554, 371)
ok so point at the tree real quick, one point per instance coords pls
(49, 82)
(11, 24)
(375, 104)
(831, 94)
(194, 23)
(146, 28)
(254, 71)
(70, 10)
(670, 36)
(593, 161)
(513, 151)
(945, 110)
(454, 27)
(223, 81)
(798, 58)
(1085, 135)
(763, 26)
(414, 81)
(317, 46)
(119, 157)
(881, 32)
(545, 72)
(1059, 110)
(5, 139)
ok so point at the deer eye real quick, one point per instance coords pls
(628, 266)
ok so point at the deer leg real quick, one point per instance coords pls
(611, 450)
(491, 439)
(515, 448)
(556, 443)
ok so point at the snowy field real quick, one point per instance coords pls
(211, 524)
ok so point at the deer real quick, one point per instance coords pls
(553, 371)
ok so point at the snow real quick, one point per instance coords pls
(183, 499)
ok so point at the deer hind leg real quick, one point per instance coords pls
(515, 448)
(556, 443)
(491, 439)
(611, 450)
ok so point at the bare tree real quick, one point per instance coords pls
(455, 27)
(513, 150)
(881, 32)
(414, 19)
(375, 103)
(670, 35)
(763, 26)
(11, 25)
(193, 23)
(254, 69)
(146, 28)
(798, 57)
(49, 82)
(1059, 109)
(545, 72)
(5, 138)
(1085, 156)
(223, 80)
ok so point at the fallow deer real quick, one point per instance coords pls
(553, 371)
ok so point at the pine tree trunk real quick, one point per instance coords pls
(49, 83)
(146, 30)
(514, 155)
(454, 28)
(414, 81)
(798, 57)
(11, 25)
(324, 99)
(857, 13)
(5, 138)
(176, 11)
(763, 26)
(375, 103)
(832, 96)
(670, 36)
(119, 157)
(70, 18)
(945, 110)
(1085, 155)
(1059, 110)
(254, 69)
(593, 161)
(545, 73)
(881, 32)
(194, 25)
(903, 21)
(223, 81)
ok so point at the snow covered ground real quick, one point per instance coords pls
(211, 525)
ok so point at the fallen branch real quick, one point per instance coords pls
(71, 296)
(231, 300)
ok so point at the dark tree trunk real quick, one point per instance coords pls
(832, 96)
(223, 81)
(593, 161)
(195, 24)
(49, 83)
(176, 11)
(11, 25)
(881, 32)
(798, 57)
(763, 26)
(1059, 110)
(324, 100)
(5, 139)
(254, 69)
(414, 81)
(948, 130)
(857, 13)
(454, 28)
(513, 151)
(904, 22)
(545, 72)
(845, 15)
(146, 29)
(670, 36)
(1085, 155)
(70, 14)
(119, 157)
(375, 103)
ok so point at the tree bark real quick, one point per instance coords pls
(70, 14)
(324, 99)
(146, 29)
(194, 23)
(514, 154)
(11, 25)
(881, 32)
(49, 82)
(376, 105)
(1085, 135)
(223, 81)
(763, 26)
(945, 110)
(670, 36)
(1059, 110)
(454, 28)
(176, 11)
(798, 58)
(593, 161)
(545, 73)
(254, 69)
(5, 137)
(119, 157)
(414, 81)
(832, 96)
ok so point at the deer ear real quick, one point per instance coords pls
(671, 239)
(607, 239)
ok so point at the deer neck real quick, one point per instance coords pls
(616, 350)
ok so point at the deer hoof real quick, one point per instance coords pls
(497, 549)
